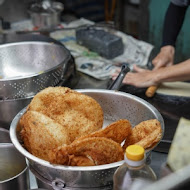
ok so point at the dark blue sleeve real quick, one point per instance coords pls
(173, 22)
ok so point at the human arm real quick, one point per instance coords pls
(165, 57)
(172, 24)
(144, 78)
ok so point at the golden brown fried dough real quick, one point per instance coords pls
(100, 150)
(79, 113)
(118, 131)
(80, 161)
(145, 134)
(40, 134)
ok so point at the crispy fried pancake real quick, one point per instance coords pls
(79, 113)
(118, 131)
(41, 134)
(100, 150)
(145, 134)
(80, 161)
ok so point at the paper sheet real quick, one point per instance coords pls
(90, 63)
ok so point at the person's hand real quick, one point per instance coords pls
(142, 78)
(164, 58)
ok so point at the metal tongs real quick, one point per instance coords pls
(118, 81)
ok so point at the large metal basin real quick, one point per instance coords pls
(25, 69)
(116, 105)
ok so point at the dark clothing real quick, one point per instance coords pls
(174, 20)
(90, 9)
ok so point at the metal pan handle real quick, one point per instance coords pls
(56, 184)
(118, 81)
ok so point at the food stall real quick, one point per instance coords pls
(88, 72)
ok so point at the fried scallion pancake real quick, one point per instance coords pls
(146, 134)
(79, 113)
(40, 134)
(88, 151)
(118, 131)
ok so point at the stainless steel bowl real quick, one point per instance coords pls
(46, 17)
(116, 105)
(10, 108)
(25, 69)
(28, 67)
(13, 168)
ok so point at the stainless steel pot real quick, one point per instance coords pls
(4, 136)
(9, 109)
(28, 67)
(13, 168)
(46, 17)
(116, 105)
(25, 69)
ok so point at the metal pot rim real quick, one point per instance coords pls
(20, 148)
(16, 176)
(4, 130)
(18, 99)
(43, 13)
(57, 6)
(35, 74)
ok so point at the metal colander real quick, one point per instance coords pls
(116, 105)
(28, 67)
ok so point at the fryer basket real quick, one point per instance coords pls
(116, 105)
(28, 67)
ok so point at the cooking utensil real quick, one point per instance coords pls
(46, 15)
(151, 91)
(116, 105)
(25, 69)
(14, 171)
(28, 67)
(46, 4)
(9, 108)
(15, 38)
(4, 136)
(117, 82)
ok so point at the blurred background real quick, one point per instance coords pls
(141, 19)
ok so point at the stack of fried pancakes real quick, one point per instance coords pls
(63, 126)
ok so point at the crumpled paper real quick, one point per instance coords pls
(88, 62)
